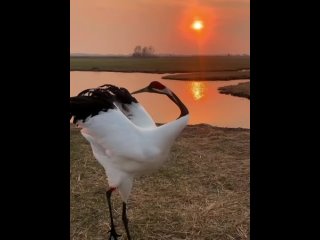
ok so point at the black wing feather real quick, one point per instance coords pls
(91, 101)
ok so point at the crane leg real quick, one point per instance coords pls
(125, 219)
(113, 233)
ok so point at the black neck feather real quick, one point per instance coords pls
(184, 110)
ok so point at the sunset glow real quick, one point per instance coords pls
(197, 25)
(117, 27)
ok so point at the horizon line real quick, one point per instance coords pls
(160, 54)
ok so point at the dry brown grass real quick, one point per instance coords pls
(202, 192)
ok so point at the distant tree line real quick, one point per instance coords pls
(143, 51)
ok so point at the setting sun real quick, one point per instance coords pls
(197, 25)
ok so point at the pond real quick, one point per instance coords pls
(202, 98)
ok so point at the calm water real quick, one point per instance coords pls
(205, 103)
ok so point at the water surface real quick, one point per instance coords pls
(205, 103)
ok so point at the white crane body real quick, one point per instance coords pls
(124, 138)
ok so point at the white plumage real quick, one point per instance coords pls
(124, 138)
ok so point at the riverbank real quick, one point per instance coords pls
(210, 76)
(239, 90)
(202, 192)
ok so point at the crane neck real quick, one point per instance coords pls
(184, 110)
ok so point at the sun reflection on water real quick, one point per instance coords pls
(197, 89)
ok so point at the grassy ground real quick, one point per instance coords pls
(202, 192)
(239, 90)
(160, 64)
(224, 75)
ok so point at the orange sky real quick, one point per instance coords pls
(116, 27)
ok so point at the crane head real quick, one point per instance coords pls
(154, 87)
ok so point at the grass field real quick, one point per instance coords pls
(239, 90)
(201, 193)
(160, 64)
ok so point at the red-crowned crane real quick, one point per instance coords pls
(123, 137)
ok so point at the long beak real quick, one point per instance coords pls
(141, 90)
